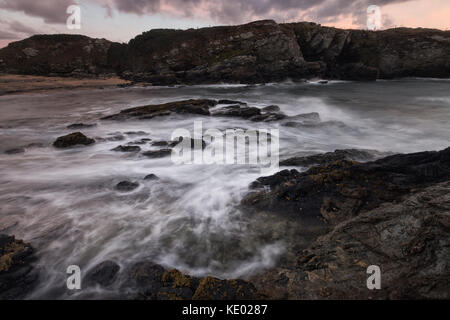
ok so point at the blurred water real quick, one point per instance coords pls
(64, 201)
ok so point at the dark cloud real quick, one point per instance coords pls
(239, 11)
(52, 11)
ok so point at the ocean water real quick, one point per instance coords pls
(65, 203)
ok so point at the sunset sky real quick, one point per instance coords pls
(121, 20)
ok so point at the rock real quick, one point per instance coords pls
(329, 157)
(81, 126)
(158, 153)
(160, 143)
(70, 140)
(126, 186)
(141, 141)
(17, 276)
(136, 133)
(226, 101)
(237, 111)
(148, 112)
(190, 141)
(271, 108)
(156, 283)
(151, 177)
(127, 148)
(15, 150)
(344, 189)
(102, 274)
(358, 71)
(408, 240)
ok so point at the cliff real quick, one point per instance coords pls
(261, 51)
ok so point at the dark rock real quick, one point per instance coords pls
(126, 186)
(408, 240)
(271, 108)
(182, 107)
(225, 101)
(329, 157)
(158, 153)
(17, 276)
(81, 126)
(358, 71)
(156, 283)
(103, 274)
(269, 116)
(188, 141)
(151, 176)
(15, 151)
(343, 189)
(160, 143)
(70, 140)
(127, 148)
(237, 111)
(136, 133)
(141, 141)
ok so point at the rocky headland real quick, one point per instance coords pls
(257, 52)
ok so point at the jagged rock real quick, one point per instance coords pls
(17, 276)
(200, 106)
(72, 139)
(408, 240)
(126, 186)
(102, 274)
(226, 101)
(344, 189)
(127, 148)
(329, 157)
(237, 111)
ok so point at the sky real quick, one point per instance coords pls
(121, 20)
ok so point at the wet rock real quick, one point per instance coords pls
(188, 141)
(200, 107)
(136, 133)
(77, 126)
(343, 189)
(70, 140)
(269, 116)
(237, 111)
(160, 143)
(15, 150)
(127, 148)
(358, 71)
(17, 276)
(226, 101)
(408, 240)
(151, 177)
(158, 153)
(271, 108)
(156, 283)
(103, 274)
(141, 141)
(329, 157)
(126, 186)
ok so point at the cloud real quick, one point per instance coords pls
(240, 11)
(21, 28)
(52, 11)
(6, 35)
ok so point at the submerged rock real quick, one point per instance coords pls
(237, 111)
(81, 126)
(15, 150)
(127, 148)
(126, 186)
(158, 153)
(17, 276)
(102, 274)
(151, 176)
(70, 140)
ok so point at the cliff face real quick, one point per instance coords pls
(261, 51)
